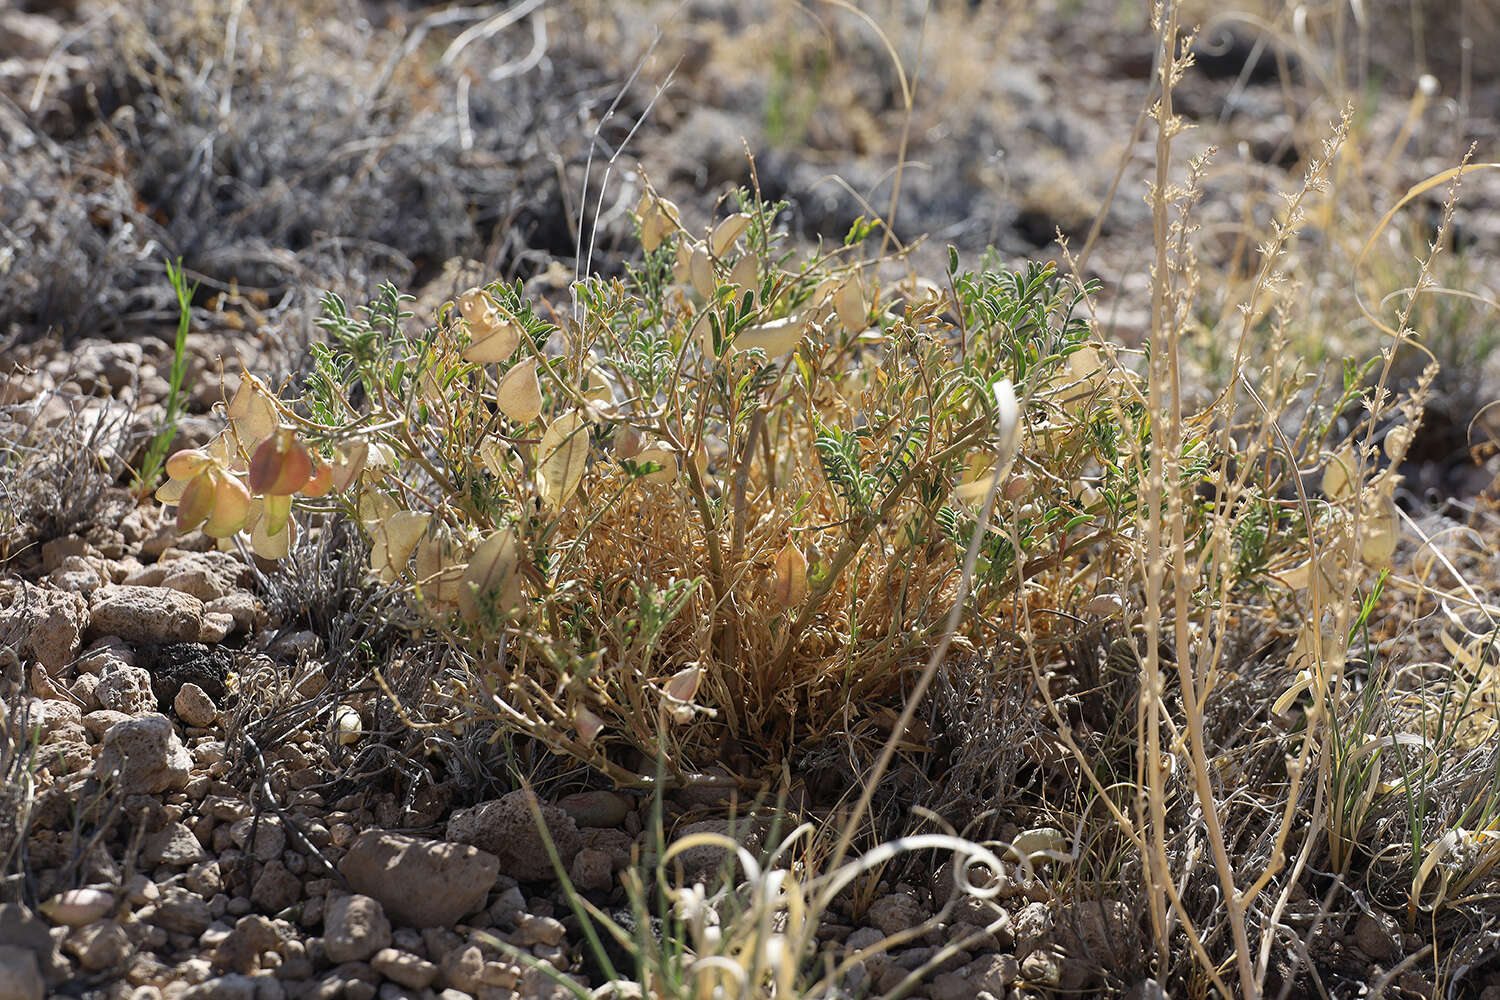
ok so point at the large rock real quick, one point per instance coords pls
(506, 828)
(146, 614)
(149, 756)
(355, 927)
(46, 625)
(182, 912)
(422, 883)
(127, 690)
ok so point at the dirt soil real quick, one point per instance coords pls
(199, 824)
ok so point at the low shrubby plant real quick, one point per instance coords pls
(726, 496)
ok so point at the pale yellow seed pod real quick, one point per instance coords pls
(746, 274)
(1397, 441)
(519, 396)
(683, 685)
(1380, 532)
(1338, 477)
(789, 579)
(493, 342)
(187, 463)
(473, 304)
(726, 232)
(348, 725)
(701, 270)
(849, 302)
(231, 508)
(682, 266)
(588, 724)
(663, 457)
(628, 442)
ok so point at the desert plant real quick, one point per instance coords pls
(729, 497)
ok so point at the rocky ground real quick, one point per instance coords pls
(174, 856)
(205, 794)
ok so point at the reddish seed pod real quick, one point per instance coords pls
(280, 466)
(321, 482)
(187, 463)
(197, 502)
(231, 508)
